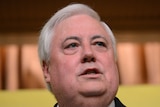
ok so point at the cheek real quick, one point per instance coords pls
(63, 66)
(113, 76)
(110, 68)
(63, 77)
(63, 69)
(112, 79)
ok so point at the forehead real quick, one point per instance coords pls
(83, 25)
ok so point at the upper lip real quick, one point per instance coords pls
(91, 70)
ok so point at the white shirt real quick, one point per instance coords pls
(112, 104)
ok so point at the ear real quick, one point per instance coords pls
(45, 68)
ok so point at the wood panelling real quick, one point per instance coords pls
(121, 36)
(30, 15)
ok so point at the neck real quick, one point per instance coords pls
(87, 104)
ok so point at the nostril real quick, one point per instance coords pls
(84, 59)
(88, 59)
(93, 59)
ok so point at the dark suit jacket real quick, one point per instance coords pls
(118, 103)
(116, 100)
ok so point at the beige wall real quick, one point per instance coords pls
(138, 60)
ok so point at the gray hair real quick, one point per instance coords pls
(47, 32)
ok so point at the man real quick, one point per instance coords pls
(78, 57)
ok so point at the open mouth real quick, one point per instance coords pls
(91, 71)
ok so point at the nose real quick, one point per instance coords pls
(88, 55)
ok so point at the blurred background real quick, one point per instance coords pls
(135, 23)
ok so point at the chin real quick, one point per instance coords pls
(93, 89)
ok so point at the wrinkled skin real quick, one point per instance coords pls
(82, 70)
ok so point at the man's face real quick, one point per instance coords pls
(82, 61)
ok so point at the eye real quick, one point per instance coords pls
(101, 44)
(71, 48)
(71, 45)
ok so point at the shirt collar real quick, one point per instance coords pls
(111, 105)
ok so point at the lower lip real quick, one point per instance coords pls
(92, 76)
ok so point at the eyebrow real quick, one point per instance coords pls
(72, 37)
(78, 39)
